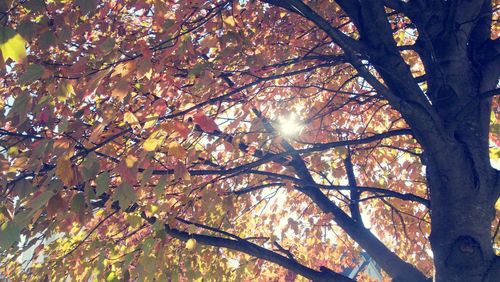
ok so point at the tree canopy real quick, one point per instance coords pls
(249, 140)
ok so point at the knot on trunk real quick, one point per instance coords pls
(465, 252)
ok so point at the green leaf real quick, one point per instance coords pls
(22, 188)
(198, 68)
(90, 166)
(160, 186)
(102, 182)
(9, 234)
(26, 29)
(41, 200)
(90, 193)
(47, 40)
(134, 220)
(32, 73)
(108, 45)
(23, 218)
(148, 245)
(78, 203)
(125, 195)
(146, 176)
(12, 45)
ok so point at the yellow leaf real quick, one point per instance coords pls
(230, 21)
(175, 149)
(151, 144)
(154, 208)
(130, 118)
(130, 161)
(12, 45)
(191, 229)
(65, 90)
(191, 244)
(150, 121)
(154, 141)
(64, 170)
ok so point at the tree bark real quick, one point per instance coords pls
(463, 186)
(462, 212)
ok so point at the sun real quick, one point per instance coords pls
(289, 126)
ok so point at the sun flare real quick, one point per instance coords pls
(290, 126)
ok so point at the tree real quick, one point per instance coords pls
(239, 139)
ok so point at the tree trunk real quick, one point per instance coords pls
(463, 186)
(461, 220)
(461, 181)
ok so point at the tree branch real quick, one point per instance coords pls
(354, 199)
(390, 262)
(254, 250)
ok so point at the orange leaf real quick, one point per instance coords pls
(181, 172)
(175, 149)
(64, 170)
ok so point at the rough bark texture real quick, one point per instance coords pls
(461, 182)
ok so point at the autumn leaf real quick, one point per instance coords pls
(121, 90)
(154, 141)
(32, 73)
(9, 234)
(191, 244)
(206, 124)
(159, 107)
(127, 168)
(175, 149)
(150, 121)
(12, 45)
(181, 173)
(230, 21)
(125, 195)
(56, 204)
(65, 90)
(130, 161)
(132, 120)
(111, 277)
(102, 181)
(64, 170)
(133, 131)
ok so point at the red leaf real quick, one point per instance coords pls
(127, 169)
(143, 45)
(56, 203)
(181, 129)
(207, 124)
(159, 107)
